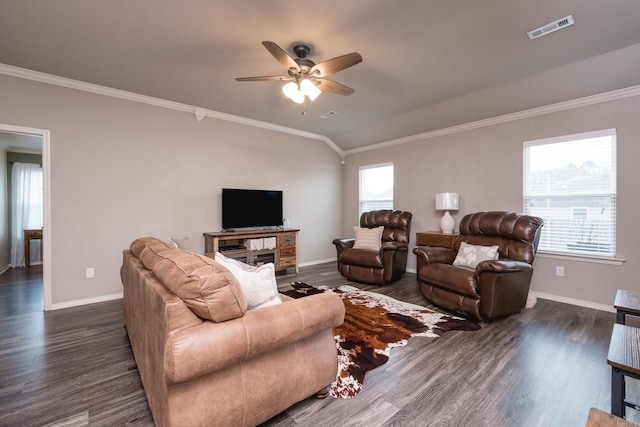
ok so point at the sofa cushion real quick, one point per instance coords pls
(368, 238)
(258, 283)
(151, 254)
(139, 244)
(362, 258)
(470, 256)
(208, 288)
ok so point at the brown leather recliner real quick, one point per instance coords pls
(496, 287)
(377, 267)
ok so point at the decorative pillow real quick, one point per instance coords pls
(208, 289)
(258, 283)
(470, 256)
(368, 238)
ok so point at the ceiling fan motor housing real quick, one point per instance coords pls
(301, 50)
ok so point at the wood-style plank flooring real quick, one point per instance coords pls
(543, 367)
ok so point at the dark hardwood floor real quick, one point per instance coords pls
(543, 367)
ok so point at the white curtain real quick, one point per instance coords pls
(26, 210)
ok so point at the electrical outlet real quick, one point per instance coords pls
(559, 270)
(90, 273)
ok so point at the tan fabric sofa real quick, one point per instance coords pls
(233, 367)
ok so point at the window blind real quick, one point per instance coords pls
(570, 182)
(376, 187)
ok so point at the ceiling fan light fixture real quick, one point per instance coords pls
(310, 89)
(293, 92)
(297, 91)
(290, 89)
(298, 98)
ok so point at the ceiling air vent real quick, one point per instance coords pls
(550, 28)
(328, 114)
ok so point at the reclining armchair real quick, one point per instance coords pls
(378, 259)
(488, 273)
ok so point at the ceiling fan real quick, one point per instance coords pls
(306, 78)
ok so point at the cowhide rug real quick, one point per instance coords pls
(373, 325)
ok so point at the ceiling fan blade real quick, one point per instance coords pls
(334, 87)
(280, 55)
(262, 78)
(339, 63)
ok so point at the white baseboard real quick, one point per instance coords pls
(78, 302)
(574, 301)
(5, 269)
(543, 295)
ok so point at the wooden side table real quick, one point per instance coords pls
(624, 359)
(436, 238)
(626, 302)
(599, 418)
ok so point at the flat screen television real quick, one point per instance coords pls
(243, 208)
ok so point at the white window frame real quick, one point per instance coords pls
(557, 236)
(368, 202)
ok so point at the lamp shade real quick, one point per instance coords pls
(446, 201)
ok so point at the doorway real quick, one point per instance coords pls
(30, 137)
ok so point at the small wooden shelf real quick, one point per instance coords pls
(245, 246)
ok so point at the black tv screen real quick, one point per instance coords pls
(251, 208)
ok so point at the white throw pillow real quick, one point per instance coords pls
(470, 256)
(368, 238)
(258, 283)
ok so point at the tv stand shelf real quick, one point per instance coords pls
(238, 245)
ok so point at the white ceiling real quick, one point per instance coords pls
(427, 64)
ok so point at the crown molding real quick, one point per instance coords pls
(199, 112)
(533, 112)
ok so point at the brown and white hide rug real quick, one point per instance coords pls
(373, 325)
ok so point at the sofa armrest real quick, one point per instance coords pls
(344, 243)
(503, 266)
(211, 346)
(432, 254)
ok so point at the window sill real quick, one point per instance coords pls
(582, 258)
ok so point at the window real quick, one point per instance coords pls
(26, 208)
(570, 182)
(376, 187)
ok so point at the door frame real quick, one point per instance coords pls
(45, 134)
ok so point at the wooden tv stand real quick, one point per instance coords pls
(245, 246)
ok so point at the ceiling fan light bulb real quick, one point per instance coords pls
(298, 97)
(290, 89)
(310, 89)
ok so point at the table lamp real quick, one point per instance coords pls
(447, 202)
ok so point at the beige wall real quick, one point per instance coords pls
(122, 169)
(485, 167)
